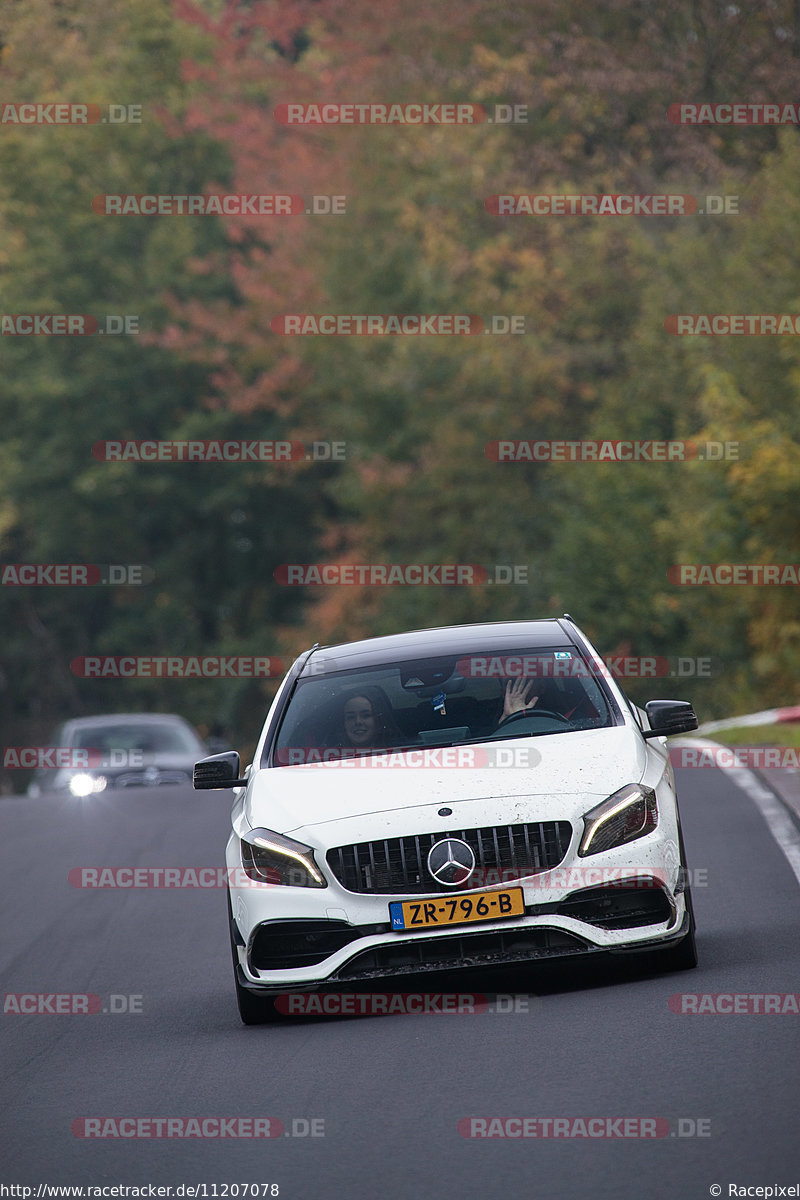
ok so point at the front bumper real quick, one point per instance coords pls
(344, 953)
(306, 938)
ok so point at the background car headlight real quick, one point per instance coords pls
(269, 857)
(84, 784)
(630, 813)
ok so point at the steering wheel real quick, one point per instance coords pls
(535, 712)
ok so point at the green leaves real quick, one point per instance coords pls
(595, 359)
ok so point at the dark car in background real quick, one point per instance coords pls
(121, 750)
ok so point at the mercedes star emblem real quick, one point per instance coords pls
(451, 862)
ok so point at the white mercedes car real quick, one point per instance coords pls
(447, 798)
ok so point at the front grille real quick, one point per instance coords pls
(465, 950)
(399, 865)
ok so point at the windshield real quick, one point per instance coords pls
(440, 702)
(149, 737)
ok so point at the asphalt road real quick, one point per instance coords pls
(384, 1095)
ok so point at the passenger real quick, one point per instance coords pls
(367, 721)
(360, 721)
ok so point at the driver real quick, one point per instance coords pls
(520, 695)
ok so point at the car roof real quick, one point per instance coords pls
(124, 718)
(447, 640)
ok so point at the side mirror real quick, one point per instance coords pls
(218, 771)
(669, 716)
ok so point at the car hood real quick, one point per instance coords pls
(594, 763)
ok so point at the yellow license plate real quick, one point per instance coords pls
(456, 910)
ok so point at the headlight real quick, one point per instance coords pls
(85, 785)
(269, 857)
(629, 814)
